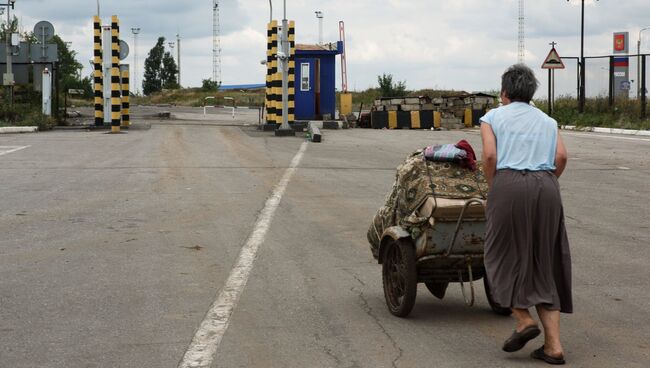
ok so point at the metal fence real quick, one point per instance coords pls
(605, 79)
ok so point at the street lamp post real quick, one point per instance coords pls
(8, 79)
(319, 15)
(638, 64)
(135, 31)
(178, 56)
(581, 98)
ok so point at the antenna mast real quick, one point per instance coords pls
(216, 43)
(521, 54)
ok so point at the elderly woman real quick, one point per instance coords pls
(527, 254)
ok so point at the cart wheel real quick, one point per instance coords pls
(495, 308)
(399, 275)
(438, 289)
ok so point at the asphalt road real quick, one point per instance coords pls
(113, 248)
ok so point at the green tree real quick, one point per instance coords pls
(390, 89)
(152, 81)
(69, 69)
(13, 28)
(208, 85)
(169, 72)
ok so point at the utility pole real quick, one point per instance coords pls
(135, 31)
(178, 57)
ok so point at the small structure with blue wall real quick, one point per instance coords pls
(316, 80)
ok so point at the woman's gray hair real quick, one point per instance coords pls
(519, 83)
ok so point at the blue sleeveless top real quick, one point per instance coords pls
(526, 137)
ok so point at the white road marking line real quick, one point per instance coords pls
(623, 168)
(586, 135)
(9, 149)
(206, 341)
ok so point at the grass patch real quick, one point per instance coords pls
(625, 114)
(195, 97)
(25, 115)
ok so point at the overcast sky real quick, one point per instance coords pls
(459, 44)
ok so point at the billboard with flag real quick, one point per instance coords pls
(621, 42)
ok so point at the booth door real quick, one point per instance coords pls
(305, 89)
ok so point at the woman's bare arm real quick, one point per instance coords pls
(561, 156)
(489, 156)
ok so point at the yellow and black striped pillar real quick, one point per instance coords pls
(292, 72)
(98, 74)
(116, 86)
(126, 118)
(272, 97)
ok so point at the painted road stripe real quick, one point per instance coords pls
(10, 149)
(206, 341)
(597, 135)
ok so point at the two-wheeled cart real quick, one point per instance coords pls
(449, 249)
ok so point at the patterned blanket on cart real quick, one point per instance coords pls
(417, 179)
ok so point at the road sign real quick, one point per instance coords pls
(553, 60)
(124, 50)
(44, 31)
(76, 91)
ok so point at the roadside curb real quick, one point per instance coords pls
(645, 133)
(11, 130)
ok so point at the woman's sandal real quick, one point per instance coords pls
(519, 339)
(541, 355)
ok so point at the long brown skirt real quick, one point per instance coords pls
(527, 255)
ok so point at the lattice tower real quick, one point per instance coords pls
(521, 51)
(216, 43)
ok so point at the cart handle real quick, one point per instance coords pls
(459, 223)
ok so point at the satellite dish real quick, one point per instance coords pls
(44, 31)
(124, 50)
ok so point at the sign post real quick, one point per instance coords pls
(553, 61)
(621, 65)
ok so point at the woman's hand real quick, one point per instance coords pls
(489, 156)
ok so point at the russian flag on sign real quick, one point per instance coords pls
(621, 62)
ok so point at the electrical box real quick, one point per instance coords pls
(8, 79)
(15, 39)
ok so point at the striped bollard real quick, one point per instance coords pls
(98, 74)
(292, 72)
(126, 118)
(116, 85)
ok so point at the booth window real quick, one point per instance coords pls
(304, 77)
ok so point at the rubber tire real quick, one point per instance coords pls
(408, 275)
(495, 308)
(437, 289)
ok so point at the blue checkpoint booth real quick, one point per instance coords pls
(316, 80)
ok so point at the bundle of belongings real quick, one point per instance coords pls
(431, 180)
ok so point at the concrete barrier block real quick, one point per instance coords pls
(330, 125)
(411, 107)
(314, 134)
